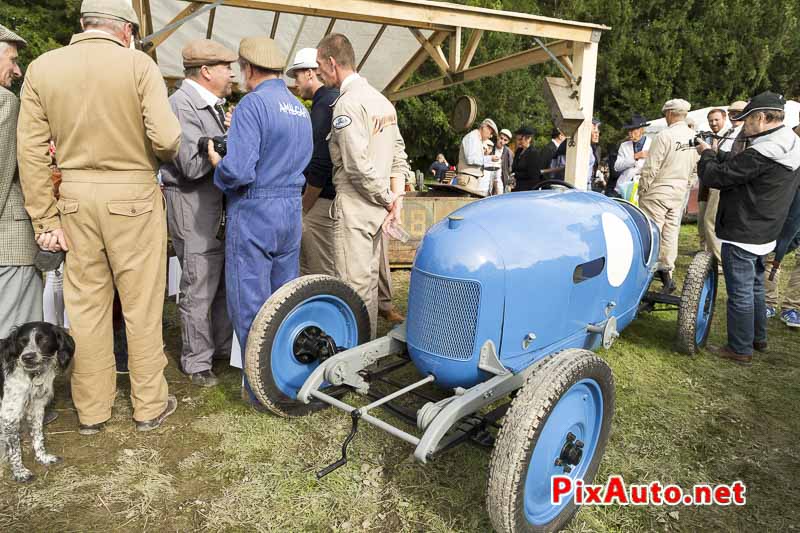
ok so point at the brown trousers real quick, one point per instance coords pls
(667, 215)
(116, 233)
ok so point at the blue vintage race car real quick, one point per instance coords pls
(508, 298)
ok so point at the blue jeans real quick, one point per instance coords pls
(747, 310)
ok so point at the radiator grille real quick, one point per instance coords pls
(443, 315)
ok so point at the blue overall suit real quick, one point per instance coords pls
(269, 145)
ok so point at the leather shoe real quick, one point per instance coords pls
(760, 346)
(49, 416)
(91, 429)
(726, 353)
(206, 378)
(149, 425)
(392, 316)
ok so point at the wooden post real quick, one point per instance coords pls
(584, 59)
(454, 52)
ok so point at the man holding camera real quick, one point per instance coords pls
(756, 187)
(664, 183)
(105, 107)
(195, 208)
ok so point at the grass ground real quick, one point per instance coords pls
(217, 465)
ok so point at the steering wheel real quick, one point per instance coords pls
(548, 184)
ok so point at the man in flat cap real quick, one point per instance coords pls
(105, 107)
(664, 183)
(757, 187)
(20, 282)
(195, 209)
(370, 168)
(472, 158)
(269, 145)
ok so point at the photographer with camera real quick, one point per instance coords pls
(195, 208)
(756, 189)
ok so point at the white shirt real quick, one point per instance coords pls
(207, 96)
(755, 249)
(629, 167)
(348, 80)
(473, 148)
(730, 136)
(491, 177)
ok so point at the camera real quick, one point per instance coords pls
(220, 145)
(704, 136)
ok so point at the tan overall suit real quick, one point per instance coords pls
(367, 151)
(106, 109)
(663, 186)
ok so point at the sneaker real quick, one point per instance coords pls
(771, 311)
(791, 317)
(206, 378)
(149, 425)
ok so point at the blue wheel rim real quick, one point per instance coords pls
(329, 313)
(579, 411)
(706, 304)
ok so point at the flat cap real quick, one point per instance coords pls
(206, 52)
(676, 104)
(736, 106)
(8, 36)
(110, 9)
(507, 133)
(489, 122)
(262, 52)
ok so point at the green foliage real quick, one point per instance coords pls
(44, 24)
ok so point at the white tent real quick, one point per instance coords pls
(701, 121)
(292, 32)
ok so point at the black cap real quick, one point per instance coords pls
(525, 130)
(637, 121)
(766, 101)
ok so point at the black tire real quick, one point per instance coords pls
(694, 305)
(522, 427)
(548, 184)
(258, 356)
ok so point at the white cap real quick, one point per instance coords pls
(303, 59)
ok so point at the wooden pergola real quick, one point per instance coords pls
(573, 45)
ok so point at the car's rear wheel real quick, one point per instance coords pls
(303, 322)
(696, 309)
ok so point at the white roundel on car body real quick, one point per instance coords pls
(619, 248)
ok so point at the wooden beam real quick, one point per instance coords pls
(584, 58)
(330, 27)
(454, 50)
(492, 68)
(371, 47)
(414, 63)
(274, 29)
(185, 12)
(429, 15)
(435, 51)
(470, 49)
(210, 28)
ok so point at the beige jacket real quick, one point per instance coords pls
(105, 107)
(366, 146)
(670, 164)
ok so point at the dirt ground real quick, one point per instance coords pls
(217, 465)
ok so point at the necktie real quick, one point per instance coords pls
(221, 112)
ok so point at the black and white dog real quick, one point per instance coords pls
(30, 358)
